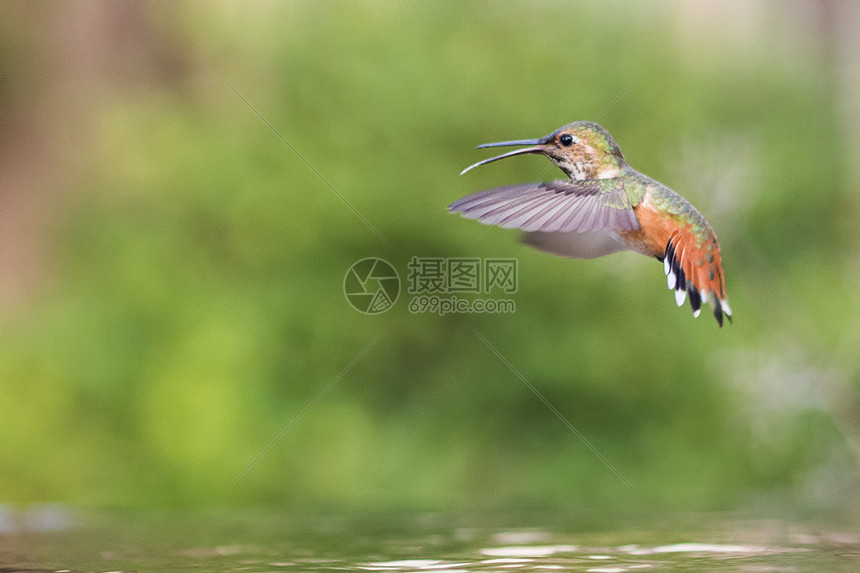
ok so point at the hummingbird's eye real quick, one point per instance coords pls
(566, 139)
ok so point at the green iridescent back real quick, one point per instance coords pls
(666, 201)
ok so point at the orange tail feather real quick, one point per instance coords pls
(696, 271)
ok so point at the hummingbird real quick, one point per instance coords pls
(605, 206)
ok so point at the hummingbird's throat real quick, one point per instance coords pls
(580, 170)
(586, 162)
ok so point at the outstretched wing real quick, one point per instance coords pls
(553, 206)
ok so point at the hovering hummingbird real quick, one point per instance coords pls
(604, 207)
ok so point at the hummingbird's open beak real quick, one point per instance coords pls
(536, 143)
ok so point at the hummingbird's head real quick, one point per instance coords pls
(583, 150)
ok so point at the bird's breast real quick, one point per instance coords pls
(655, 228)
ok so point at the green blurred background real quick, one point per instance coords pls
(171, 280)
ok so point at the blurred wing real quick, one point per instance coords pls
(576, 245)
(553, 206)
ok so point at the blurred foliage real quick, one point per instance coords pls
(195, 304)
